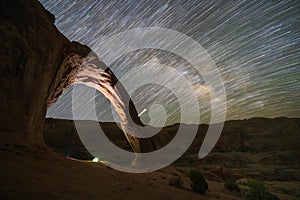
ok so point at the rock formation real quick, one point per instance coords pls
(37, 64)
(95, 74)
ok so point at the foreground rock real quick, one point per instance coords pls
(36, 60)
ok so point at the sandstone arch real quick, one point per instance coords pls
(37, 64)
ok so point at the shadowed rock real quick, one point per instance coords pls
(36, 59)
(37, 64)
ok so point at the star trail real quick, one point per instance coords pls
(254, 44)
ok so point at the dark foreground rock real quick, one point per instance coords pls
(36, 61)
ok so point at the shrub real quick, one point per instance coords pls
(258, 191)
(176, 181)
(270, 196)
(230, 185)
(199, 184)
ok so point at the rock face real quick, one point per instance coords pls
(36, 63)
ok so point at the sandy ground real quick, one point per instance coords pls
(32, 173)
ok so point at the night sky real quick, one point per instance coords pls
(254, 44)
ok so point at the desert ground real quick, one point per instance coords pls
(242, 153)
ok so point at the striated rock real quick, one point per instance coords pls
(36, 65)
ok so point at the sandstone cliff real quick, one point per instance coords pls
(36, 61)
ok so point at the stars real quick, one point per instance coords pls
(255, 45)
